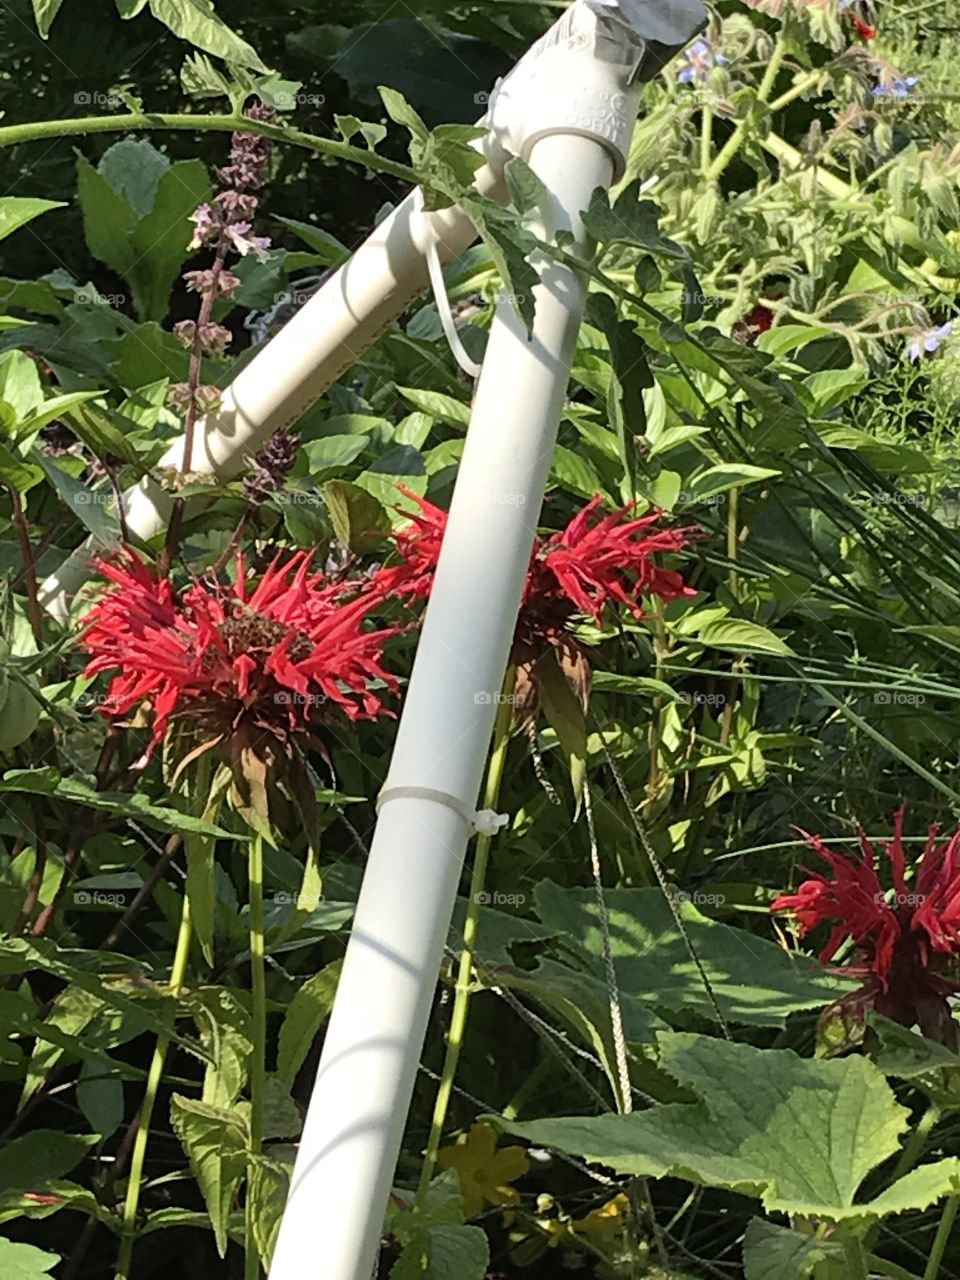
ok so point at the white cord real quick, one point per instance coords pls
(460, 353)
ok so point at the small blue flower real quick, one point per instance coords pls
(928, 341)
(896, 87)
(701, 60)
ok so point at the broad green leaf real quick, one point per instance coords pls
(777, 1253)
(321, 242)
(573, 471)
(333, 452)
(359, 520)
(108, 220)
(226, 1032)
(732, 475)
(215, 1141)
(25, 1261)
(100, 1098)
(305, 1015)
(134, 169)
(799, 1134)
(197, 22)
(16, 211)
(630, 375)
(159, 240)
(444, 1251)
(755, 981)
(30, 1162)
(737, 635)
(509, 245)
(438, 405)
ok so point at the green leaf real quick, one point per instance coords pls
(199, 78)
(630, 375)
(24, 1261)
(20, 385)
(438, 405)
(16, 473)
(527, 191)
(630, 220)
(16, 211)
(755, 981)
(215, 1141)
(509, 246)
(30, 1162)
(358, 519)
(134, 805)
(800, 1134)
(444, 1251)
(269, 1184)
(201, 866)
(92, 507)
(731, 475)
(159, 240)
(567, 716)
(738, 635)
(575, 472)
(305, 1015)
(100, 1098)
(777, 1253)
(196, 21)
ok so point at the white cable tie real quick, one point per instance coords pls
(485, 822)
(437, 283)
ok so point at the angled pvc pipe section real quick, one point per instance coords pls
(358, 1111)
(327, 335)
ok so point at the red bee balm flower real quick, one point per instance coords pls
(600, 560)
(906, 940)
(275, 659)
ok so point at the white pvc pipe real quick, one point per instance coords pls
(345, 1166)
(326, 336)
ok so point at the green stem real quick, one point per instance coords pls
(856, 1258)
(735, 141)
(706, 138)
(81, 126)
(942, 1238)
(258, 1066)
(461, 1003)
(890, 1269)
(135, 1181)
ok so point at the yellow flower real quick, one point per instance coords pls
(605, 1221)
(484, 1172)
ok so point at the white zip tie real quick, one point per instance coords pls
(437, 283)
(485, 822)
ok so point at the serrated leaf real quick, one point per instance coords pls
(800, 1134)
(630, 220)
(269, 1184)
(305, 1015)
(197, 22)
(358, 519)
(566, 715)
(215, 1141)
